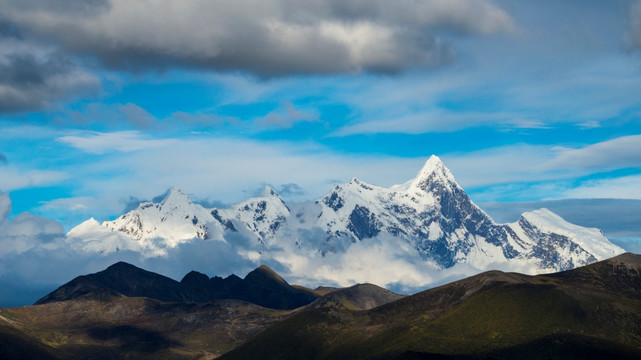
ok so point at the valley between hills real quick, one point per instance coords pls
(591, 312)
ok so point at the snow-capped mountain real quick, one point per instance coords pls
(175, 219)
(431, 215)
(435, 214)
(149, 229)
(91, 237)
(262, 215)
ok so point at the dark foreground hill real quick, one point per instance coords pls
(128, 312)
(130, 328)
(592, 312)
(261, 287)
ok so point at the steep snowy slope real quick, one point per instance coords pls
(152, 227)
(90, 236)
(558, 244)
(262, 215)
(432, 210)
(434, 213)
(175, 219)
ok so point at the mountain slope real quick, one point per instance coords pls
(357, 297)
(175, 219)
(444, 226)
(130, 327)
(593, 311)
(262, 215)
(121, 279)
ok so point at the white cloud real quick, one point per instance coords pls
(78, 203)
(226, 168)
(14, 178)
(122, 141)
(500, 165)
(218, 168)
(627, 187)
(620, 152)
(26, 231)
(433, 121)
(383, 260)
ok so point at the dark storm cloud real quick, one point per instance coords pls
(633, 36)
(75, 7)
(468, 17)
(28, 82)
(8, 29)
(265, 37)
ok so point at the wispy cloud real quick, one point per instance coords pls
(25, 231)
(203, 121)
(285, 117)
(620, 152)
(14, 178)
(137, 116)
(223, 168)
(122, 141)
(627, 187)
(435, 121)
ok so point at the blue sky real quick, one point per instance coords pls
(104, 103)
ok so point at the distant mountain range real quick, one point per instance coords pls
(430, 217)
(592, 312)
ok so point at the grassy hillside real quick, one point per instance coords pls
(136, 327)
(103, 324)
(592, 312)
(589, 312)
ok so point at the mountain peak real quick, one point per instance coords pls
(265, 273)
(175, 195)
(628, 259)
(267, 192)
(432, 170)
(122, 266)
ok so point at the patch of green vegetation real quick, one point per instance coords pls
(501, 317)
